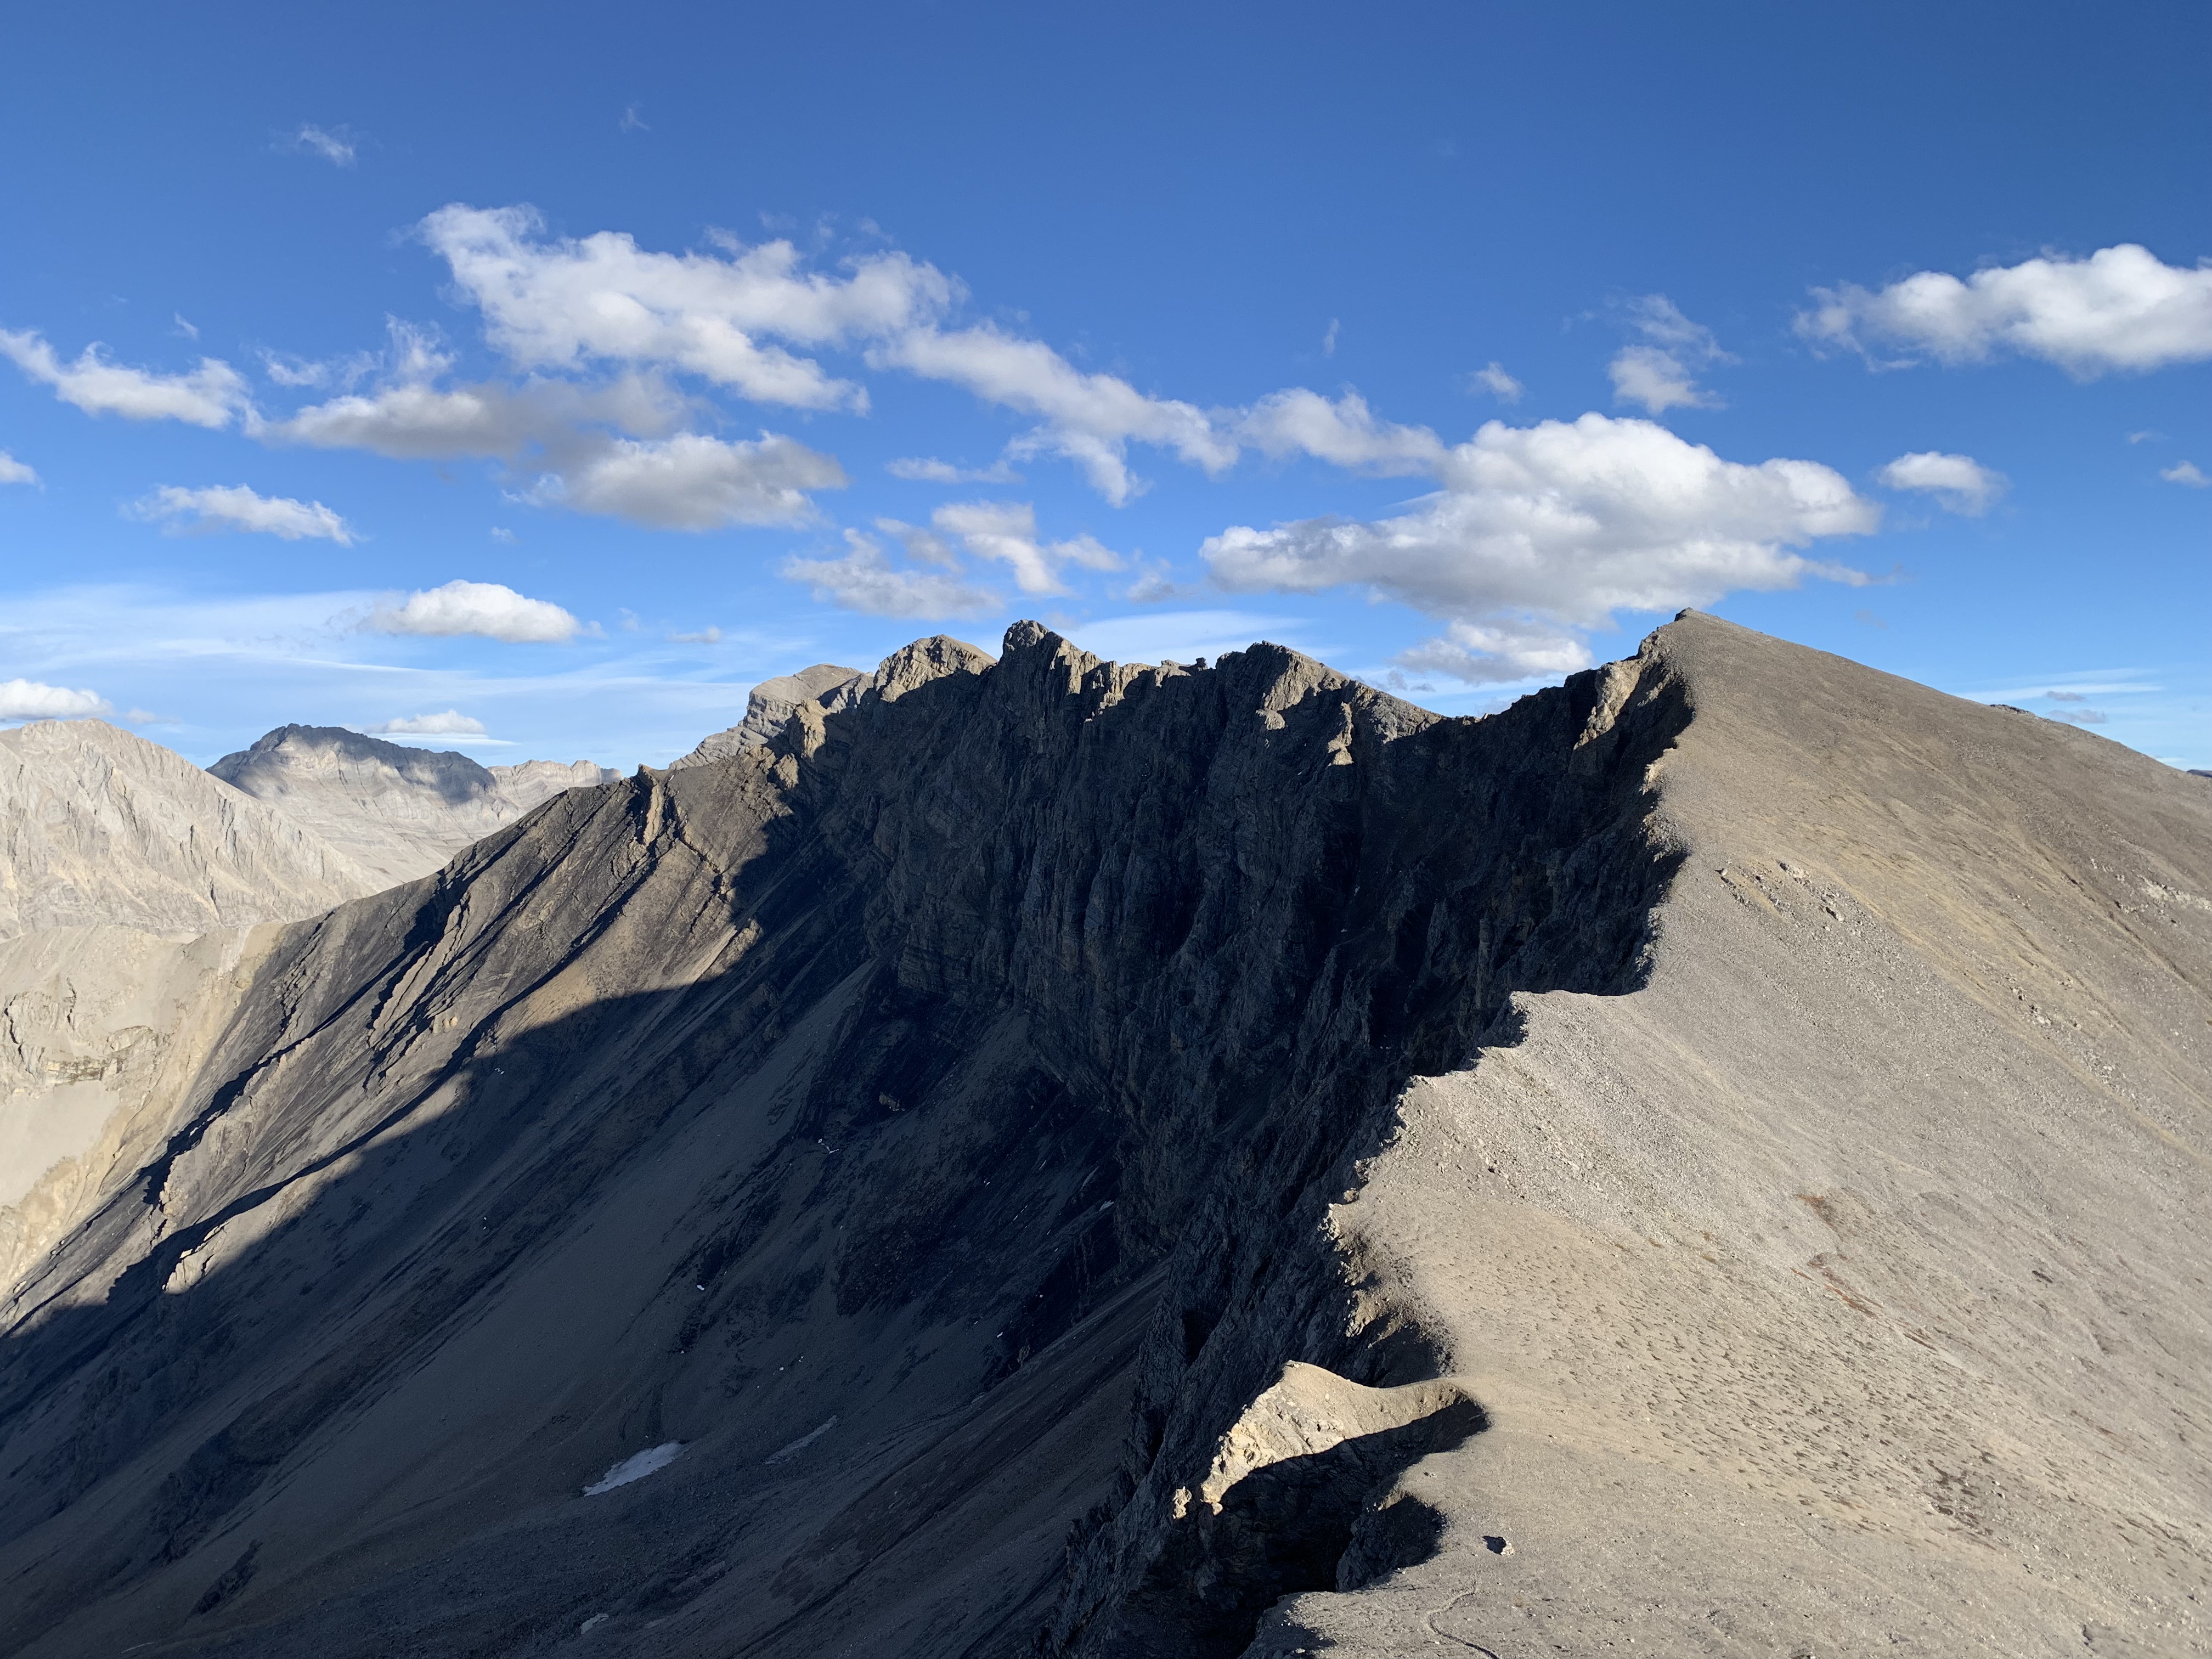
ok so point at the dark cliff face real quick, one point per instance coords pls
(925, 1121)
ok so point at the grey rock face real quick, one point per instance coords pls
(397, 811)
(1072, 1158)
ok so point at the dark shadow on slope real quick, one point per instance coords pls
(1317, 1523)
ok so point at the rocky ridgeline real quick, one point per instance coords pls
(1044, 1155)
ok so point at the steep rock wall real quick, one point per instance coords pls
(873, 1111)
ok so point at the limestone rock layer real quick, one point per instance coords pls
(101, 828)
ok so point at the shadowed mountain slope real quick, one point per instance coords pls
(1103, 1160)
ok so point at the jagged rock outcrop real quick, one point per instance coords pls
(770, 705)
(1072, 1157)
(101, 828)
(396, 811)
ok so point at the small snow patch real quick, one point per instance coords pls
(802, 1442)
(649, 1461)
(590, 1623)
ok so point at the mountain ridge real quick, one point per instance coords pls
(1099, 1159)
(398, 810)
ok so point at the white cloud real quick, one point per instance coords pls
(1006, 531)
(1344, 433)
(866, 580)
(338, 147)
(1493, 378)
(1551, 527)
(1498, 654)
(451, 724)
(2186, 472)
(190, 330)
(691, 481)
(2119, 308)
(490, 608)
(1655, 378)
(707, 635)
(212, 395)
(1329, 340)
(236, 507)
(922, 469)
(1090, 419)
(13, 471)
(1961, 483)
(559, 303)
(29, 700)
(1662, 373)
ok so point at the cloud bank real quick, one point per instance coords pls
(2121, 308)
(1541, 530)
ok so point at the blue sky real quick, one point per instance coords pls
(532, 381)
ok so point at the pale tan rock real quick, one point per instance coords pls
(98, 826)
(771, 704)
(396, 811)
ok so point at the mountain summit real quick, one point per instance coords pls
(1059, 1157)
(398, 810)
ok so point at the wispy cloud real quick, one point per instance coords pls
(236, 506)
(865, 578)
(922, 469)
(214, 395)
(338, 146)
(1007, 532)
(2186, 472)
(13, 471)
(1493, 378)
(1662, 372)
